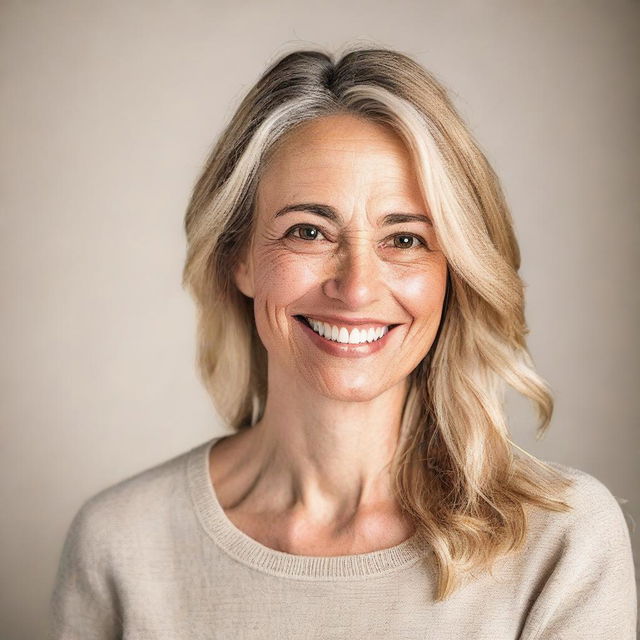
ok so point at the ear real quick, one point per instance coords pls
(243, 276)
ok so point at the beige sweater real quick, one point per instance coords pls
(155, 557)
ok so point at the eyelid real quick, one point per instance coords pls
(318, 228)
(304, 226)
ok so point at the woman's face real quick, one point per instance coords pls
(331, 245)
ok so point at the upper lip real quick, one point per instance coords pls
(344, 321)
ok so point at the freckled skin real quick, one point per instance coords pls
(364, 171)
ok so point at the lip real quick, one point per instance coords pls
(342, 349)
(342, 321)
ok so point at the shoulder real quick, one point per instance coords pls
(592, 502)
(143, 501)
(581, 565)
(593, 531)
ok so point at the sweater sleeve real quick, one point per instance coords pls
(84, 602)
(590, 591)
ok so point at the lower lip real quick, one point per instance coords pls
(342, 349)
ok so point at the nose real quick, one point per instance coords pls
(356, 279)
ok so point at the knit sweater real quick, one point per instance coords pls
(156, 557)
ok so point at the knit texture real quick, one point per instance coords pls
(156, 557)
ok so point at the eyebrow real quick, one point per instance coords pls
(330, 213)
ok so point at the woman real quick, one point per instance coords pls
(360, 311)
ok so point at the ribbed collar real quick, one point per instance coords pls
(252, 553)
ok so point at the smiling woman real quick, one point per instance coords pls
(360, 312)
(340, 262)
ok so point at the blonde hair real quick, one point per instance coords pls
(455, 473)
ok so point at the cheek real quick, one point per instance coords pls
(282, 278)
(422, 292)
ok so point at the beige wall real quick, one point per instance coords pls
(108, 111)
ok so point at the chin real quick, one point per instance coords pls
(348, 388)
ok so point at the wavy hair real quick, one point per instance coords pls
(455, 473)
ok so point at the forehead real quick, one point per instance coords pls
(340, 152)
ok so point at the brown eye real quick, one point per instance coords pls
(310, 231)
(407, 241)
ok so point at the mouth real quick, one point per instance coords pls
(342, 335)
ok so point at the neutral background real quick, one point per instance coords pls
(108, 112)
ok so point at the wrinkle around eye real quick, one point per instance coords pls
(421, 242)
(289, 233)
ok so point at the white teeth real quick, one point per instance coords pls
(342, 335)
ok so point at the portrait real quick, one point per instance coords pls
(354, 276)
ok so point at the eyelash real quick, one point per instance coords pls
(311, 226)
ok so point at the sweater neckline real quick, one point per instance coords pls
(254, 554)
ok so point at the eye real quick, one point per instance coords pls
(312, 232)
(409, 245)
(304, 228)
